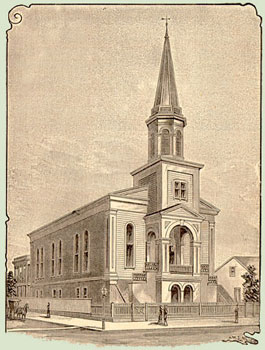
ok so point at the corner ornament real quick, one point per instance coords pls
(15, 15)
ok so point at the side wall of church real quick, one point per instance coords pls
(71, 278)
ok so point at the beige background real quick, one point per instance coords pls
(82, 82)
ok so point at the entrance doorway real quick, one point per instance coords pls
(188, 294)
(175, 294)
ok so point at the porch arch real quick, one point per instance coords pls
(185, 224)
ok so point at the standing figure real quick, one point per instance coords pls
(165, 316)
(236, 313)
(160, 315)
(48, 311)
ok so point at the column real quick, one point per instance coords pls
(182, 296)
(212, 248)
(112, 240)
(196, 257)
(165, 255)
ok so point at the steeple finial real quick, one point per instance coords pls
(166, 19)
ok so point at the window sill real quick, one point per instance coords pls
(129, 267)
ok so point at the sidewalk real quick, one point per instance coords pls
(148, 325)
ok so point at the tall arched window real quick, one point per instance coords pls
(86, 252)
(53, 260)
(179, 143)
(129, 245)
(76, 253)
(60, 248)
(165, 142)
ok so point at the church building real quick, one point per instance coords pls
(153, 242)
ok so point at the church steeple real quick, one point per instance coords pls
(166, 123)
(166, 92)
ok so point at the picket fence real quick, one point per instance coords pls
(149, 312)
(138, 312)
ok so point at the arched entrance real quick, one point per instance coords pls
(175, 294)
(180, 249)
(188, 294)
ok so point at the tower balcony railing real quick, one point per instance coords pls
(139, 277)
(151, 266)
(181, 269)
(205, 269)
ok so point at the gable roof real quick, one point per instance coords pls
(245, 261)
(182, 208)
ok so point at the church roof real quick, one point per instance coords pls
(140, 192)
(166, 92)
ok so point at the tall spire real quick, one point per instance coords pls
(166, 98)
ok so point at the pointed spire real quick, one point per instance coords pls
(166, 98)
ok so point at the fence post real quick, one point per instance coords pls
(245, 308)
(132, 312)
(253, 309)
(145, 312)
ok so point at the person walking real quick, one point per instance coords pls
(48, 311)
(236, 313)
(160, 315)
(165, 316)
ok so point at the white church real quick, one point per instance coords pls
(154, 242)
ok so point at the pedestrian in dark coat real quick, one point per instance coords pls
(236, 313)
(160, 315)
(48, 311)
(165, 316)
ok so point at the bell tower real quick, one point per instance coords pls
(166, 123)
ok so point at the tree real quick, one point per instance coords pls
(11, 283)
(251, 284)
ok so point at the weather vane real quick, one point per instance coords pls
(166, 19)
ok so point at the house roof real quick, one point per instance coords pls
(245, 261)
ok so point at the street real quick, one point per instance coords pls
(165, 336)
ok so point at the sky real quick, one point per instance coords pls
(81, 83)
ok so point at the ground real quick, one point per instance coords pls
(165, 336)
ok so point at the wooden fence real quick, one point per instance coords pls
(149, 312)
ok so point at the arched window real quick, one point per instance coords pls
(179, 143)
(76, 253)
(129, 245)
(165, 142)
(60, 258)
(38, 263)
(53, 260)
(86, 252)
(151, 247)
